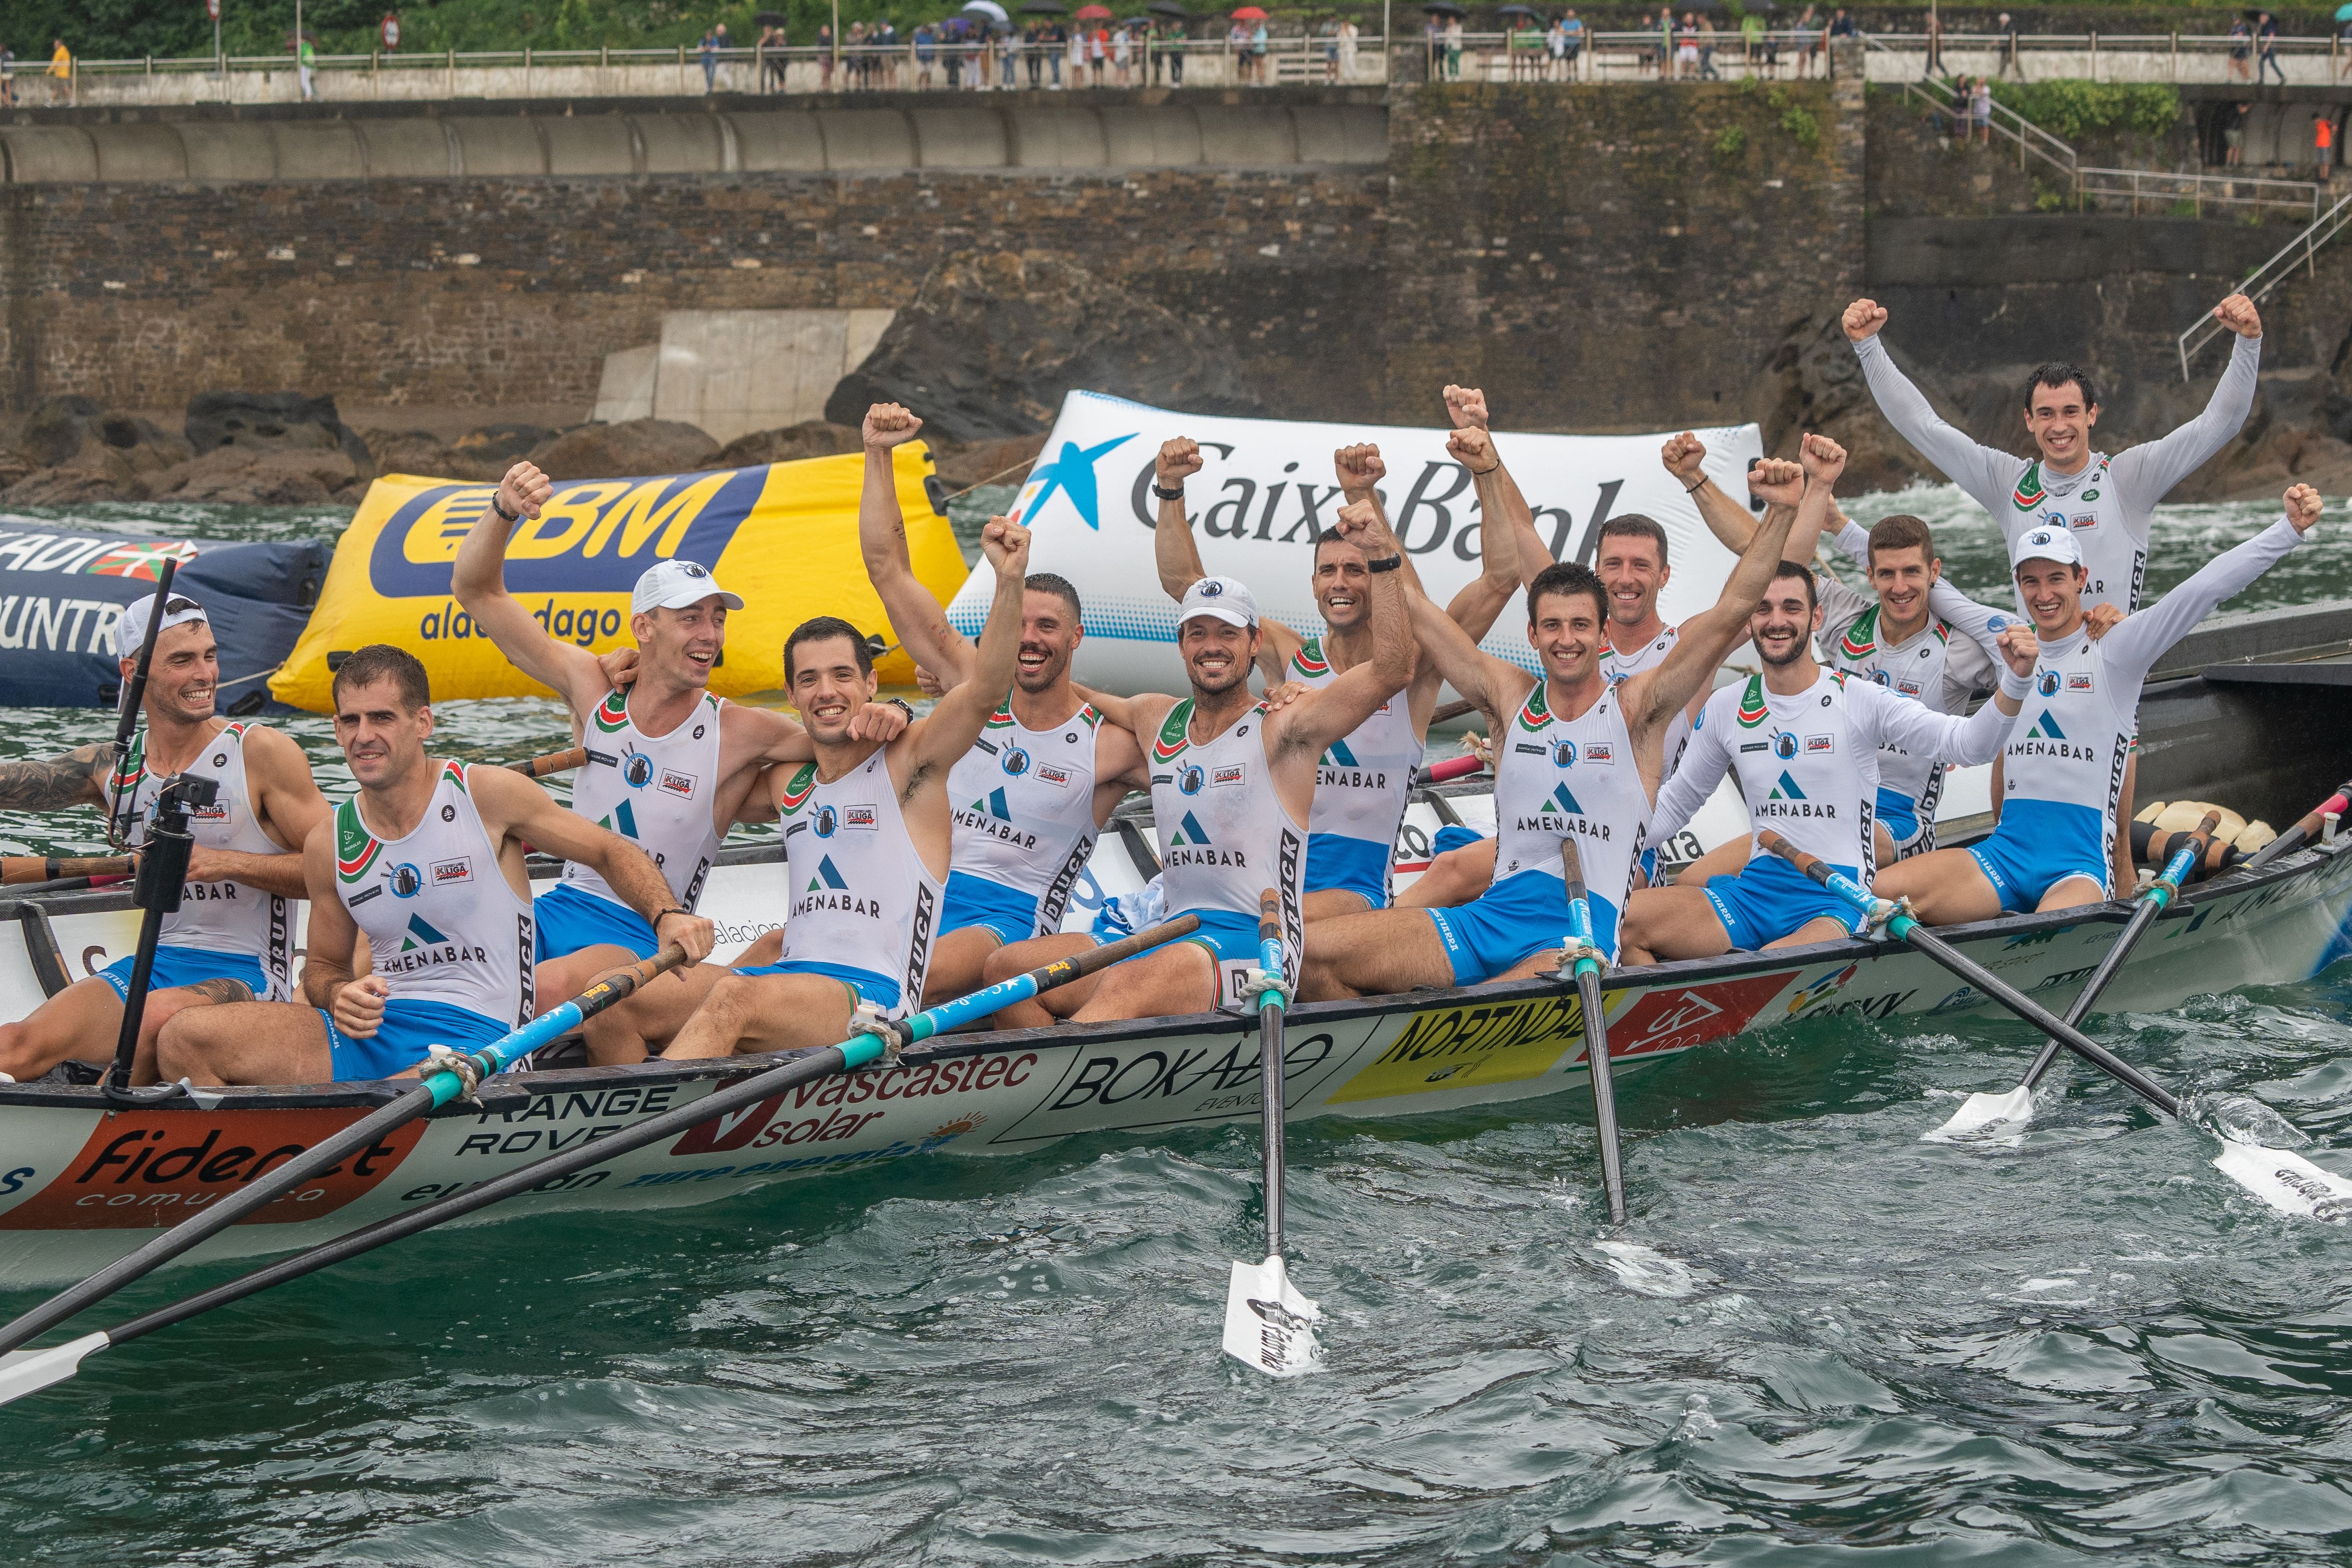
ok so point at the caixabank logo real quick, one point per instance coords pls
(596, 536)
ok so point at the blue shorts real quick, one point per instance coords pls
(187, 966)
(1518, 916)
(2039, 844)
(1336, 862)
(1453, 836)
(1770, 898)
(566, 920)
(409, 1030)
(879, 989)
(972, 900)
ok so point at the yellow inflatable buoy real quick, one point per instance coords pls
(782, 535)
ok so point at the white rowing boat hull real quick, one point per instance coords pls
(80, 1182)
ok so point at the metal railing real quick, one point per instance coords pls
(2119, 56)
(2300, 251)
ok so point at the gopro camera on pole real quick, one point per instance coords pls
(162, 874)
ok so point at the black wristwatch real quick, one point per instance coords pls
(1386, 563)
(1176, 494)
(665, 914)
(903, 706)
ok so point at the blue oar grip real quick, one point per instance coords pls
(1580, 947)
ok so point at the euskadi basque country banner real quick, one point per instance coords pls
(782, 535)
(1267, 488)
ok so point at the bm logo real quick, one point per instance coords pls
(596, 536)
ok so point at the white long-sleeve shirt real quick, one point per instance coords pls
(2108, 503)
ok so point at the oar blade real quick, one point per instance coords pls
(2286, 1180)
(29, 1371)
(1268, 1324)
(1982, 1116)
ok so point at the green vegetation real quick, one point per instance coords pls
(2071, 110)
(2047, 197)
(1731, 143)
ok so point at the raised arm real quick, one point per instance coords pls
(1948, 737)
(513, 806)
(1984, 473)
(2146, 473)
(1474, 607)
(921, 625)
(1330, 713)
(2143, 636)
(1466, 406)
(478, 579)
(955, 721)
(1177, 556)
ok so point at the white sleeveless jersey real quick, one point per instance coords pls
(1805, 770)
(2087, 505)
(1224, 836)
(654, 791)
(1561, 778)
(1363, 784)
(216, 917)
(443, 923)
(861, 898)
(1617, 668)
(1024, 808)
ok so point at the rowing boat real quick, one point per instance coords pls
(82, 1181)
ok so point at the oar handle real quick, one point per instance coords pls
(1828, 876)
(551, 762)
(995, 998)
(2182, 864)
(2294, 838)
(23, 870)
(608, 989)
(1451, 768)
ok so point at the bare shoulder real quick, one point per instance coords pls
(278, 751)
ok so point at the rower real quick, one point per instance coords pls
(232, 938)
(1805, 743)
(868, 836)
(2107, 503)
(1365, 782)
(428, 860)
(2064, 771)
(1631, 559)
(1046, 773)
(670, 767)
(1232, 786)
(1578, 758)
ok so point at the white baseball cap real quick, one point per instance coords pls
(1226, 598)
(675, 585)
(2045, 544)
(131, 630)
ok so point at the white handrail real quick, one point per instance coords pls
(2271, 274)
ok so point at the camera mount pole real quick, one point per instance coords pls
(162, 871)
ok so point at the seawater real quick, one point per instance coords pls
(1820, 1340)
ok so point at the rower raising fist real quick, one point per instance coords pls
(2303, 508)
(1682, 455)
(523, 491)
(1359, 470)
(2020, 649)
(1777, 481)
(889, 425)
(2237, 313)
(1179, 460)
(1864, 317)
(1472, 449)
(1359, 522)
(1822, 459)
(1005, 543)
(1466, 406)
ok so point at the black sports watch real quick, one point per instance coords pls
(1386, 563)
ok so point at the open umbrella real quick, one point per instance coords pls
(2343, 13)
(1249, 14)
(1514, 10)
(987, 8)
(769, 19)
(1445, 8)
(1094, 13)
(1169, 8)
(1044, 8)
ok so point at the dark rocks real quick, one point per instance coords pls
(993, 341)
(810, 439)
(272, 422)
(631, 448)
(508, 443)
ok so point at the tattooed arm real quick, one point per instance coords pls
(78, 778)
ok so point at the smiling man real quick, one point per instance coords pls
(670, 767)
(2063, 774)
(232, 938)
(868, 836)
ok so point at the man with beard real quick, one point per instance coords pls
(868, 836)
(428, 860)
(1805, 743)
(2063, 774)
(232, 938)
(1579, 759)
(670, 767)
(1232, 785)
(1046, 773)
(1365, 781)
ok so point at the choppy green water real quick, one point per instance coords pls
(1843, 1346)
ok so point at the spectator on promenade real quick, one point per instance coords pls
(2007, 31)
(1706, 72)
(2323, 142)
(1980, 109)
(1808, 40)
(1556, 49)
(2233, 135)
(1076, 53)
(825, 56)
(1643, 57)
(1258, 37)
(1841, 26)
(7, 77)
(306, 58)
(1686, 50)
(2343, 38)
(886, 38)
(2266, 38)
(1751, 40)
(1350, 37)
(61, 73)
(772, 44)
(1934, 66)
(1177, 38)
(1097, 55)
(1008, 59)
(1121, 55)
(2240, 50)
(852, 53)
(709, 64)
(926, 52)
(1666, 55)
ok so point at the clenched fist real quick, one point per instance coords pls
(1179, 460)
(1777, 481)
(889, 425)
(1360, 469)
(1682, 455)
(1005, 543)
(2237, 312)
(1472, 449)
(1822, 459)
(2303, 508)
(524, 490)
(1862, 319)
(1466, 406)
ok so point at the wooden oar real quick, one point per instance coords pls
(447, 1078)
(2280, 1178)
(2300, 834)
(1583, 958)
(1982, 1114)
(28, 870)
(553, 762)
(1268, 1324)
(24, 1372)
(1451, 768)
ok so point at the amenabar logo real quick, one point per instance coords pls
(596, 536)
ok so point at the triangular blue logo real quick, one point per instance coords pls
(996, 807)
(831, 877)
(625, 820)
(2046, 728)
(1565, 801)
(1787, 789)
(1339, 756)
(421, 932)
(1189, 830)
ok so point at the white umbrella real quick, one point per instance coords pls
(991, 8)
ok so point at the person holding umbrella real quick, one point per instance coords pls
(1523, 44)
(1173, 47)
(773, 43)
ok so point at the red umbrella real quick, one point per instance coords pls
(1249, 14)
(1094, 13)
